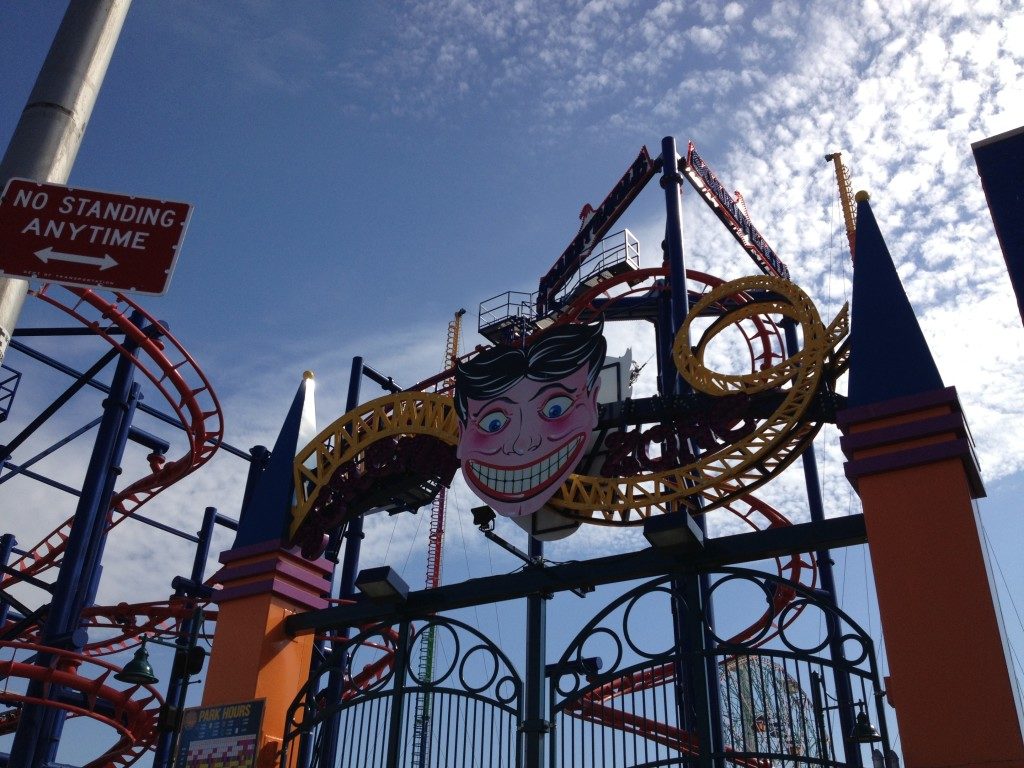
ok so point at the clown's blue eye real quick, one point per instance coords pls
(556, 407)
(493, 421)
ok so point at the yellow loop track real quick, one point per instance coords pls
(715, 478)
(740, 467)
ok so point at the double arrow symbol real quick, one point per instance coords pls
(106, 261)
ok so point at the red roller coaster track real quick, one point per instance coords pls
(166, 363)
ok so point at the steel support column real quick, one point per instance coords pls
(823, 558)
(354, 528)
(331, 727)
(7, 543)
(698, 706)
(177, 685)
(397, 714)
(38, 734)
(535, 726)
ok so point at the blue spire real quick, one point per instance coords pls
(889, 356)
(267, 514)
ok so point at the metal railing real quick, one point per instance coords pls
(615, 254)
(510, 316)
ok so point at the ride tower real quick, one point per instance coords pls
(678, 465)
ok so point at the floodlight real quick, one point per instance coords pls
(383, 584)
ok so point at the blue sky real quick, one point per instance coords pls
(360, 171)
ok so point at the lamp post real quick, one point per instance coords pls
(188, 661)
(862, 732)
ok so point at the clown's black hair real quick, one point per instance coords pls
(559, 352)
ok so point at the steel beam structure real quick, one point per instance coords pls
(646, 563)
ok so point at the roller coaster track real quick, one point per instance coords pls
(131, 712)
(667, 735)
(746, 464)
(715, 478)
(179, 380)
(123, 624)
(175, 374)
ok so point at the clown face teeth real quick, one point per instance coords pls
(524, 479)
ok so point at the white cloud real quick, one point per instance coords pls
(732, 11)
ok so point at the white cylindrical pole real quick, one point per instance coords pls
(49, 133)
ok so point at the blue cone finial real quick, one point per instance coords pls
(889, 356)
(266, 517)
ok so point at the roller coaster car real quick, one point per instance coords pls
(405, 492)
(395, 474)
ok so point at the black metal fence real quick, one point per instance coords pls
(781, 692)
(465, 714)
(781, 699)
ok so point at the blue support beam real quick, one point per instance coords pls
(38, 735)
(698, 696)
(177, 686)
(353, 535)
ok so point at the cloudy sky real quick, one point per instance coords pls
(360, 171)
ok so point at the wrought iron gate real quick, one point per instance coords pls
(468, 714)
(781, 692)
(780, 698)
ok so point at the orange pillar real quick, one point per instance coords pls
(911, 461)
(253, 658)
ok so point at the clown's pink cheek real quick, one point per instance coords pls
(476, 442)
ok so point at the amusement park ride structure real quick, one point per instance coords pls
(356, 677)
(67, 675)
(759, 696)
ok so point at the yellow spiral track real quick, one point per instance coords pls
(715, 478)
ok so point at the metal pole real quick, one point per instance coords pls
(177, 686)
(346, 588)
(397, 713)
(700, 708)
(354, 528)
(823, 558)
(671, 182)
(819, 717)
(702, 691)
(535, 726)
(46, 140)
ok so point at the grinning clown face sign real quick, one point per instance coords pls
(525, 414)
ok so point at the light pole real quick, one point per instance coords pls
(46, 140)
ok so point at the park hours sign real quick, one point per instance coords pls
(95, 239)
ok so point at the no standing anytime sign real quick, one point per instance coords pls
(84, 237)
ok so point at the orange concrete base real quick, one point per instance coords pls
(912, 465)
(252, 656)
